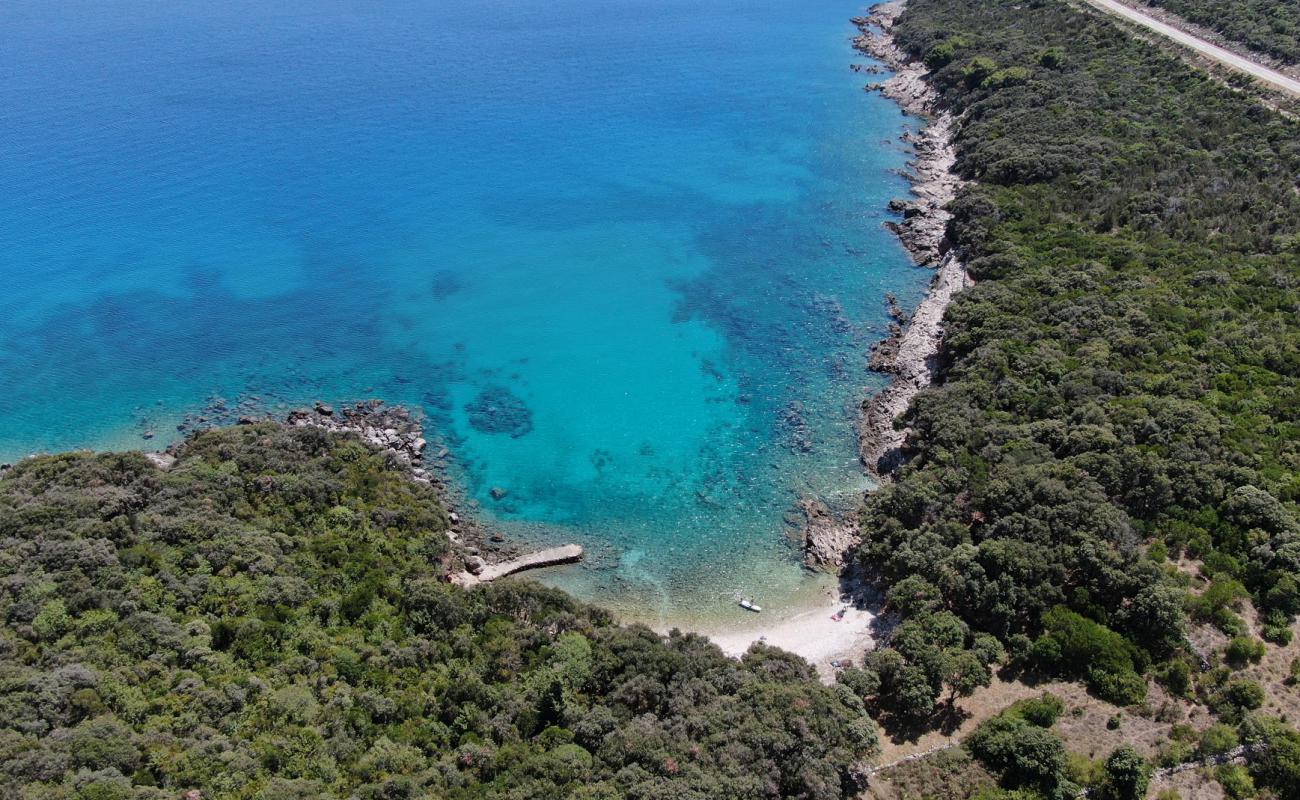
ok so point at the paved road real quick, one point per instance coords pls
(1270, 76)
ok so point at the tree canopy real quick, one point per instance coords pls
(267, 619)
(1122, 383)
(1271, 27)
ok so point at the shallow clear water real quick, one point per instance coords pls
(605, 245)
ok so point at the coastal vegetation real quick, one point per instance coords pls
(268, 618)
(1271, 27)
(1122, 385)
(1111, 457)
(1112, 453)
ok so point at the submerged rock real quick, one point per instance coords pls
(445, 284)
(499, 410)
(798, 434)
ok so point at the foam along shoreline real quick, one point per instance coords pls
(910, 353)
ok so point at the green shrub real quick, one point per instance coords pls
(1245, 694)
(1279, 635)
(977, 70)
(1276, 762)
(1277, 627)
(1021, 752)
(1235, 780)
(1042, 711)
(1125, 776)
(1217, 603)
(1243, 650)
(1172, 753)
(1078, 645)
(1120, 688)
(1052, 57)
(943, 53)
(1012, 76)
(1175, 676)
(1235, 698)
(52, 621)
(1216, 739)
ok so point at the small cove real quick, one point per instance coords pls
(628, 258)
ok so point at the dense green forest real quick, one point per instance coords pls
(1271, 27)
(268, 619)
(1122, 384)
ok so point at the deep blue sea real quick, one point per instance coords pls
(627, 255)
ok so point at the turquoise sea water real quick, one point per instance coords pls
(611, 248)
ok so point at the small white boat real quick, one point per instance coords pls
(750, 605)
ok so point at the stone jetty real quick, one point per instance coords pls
(480, 572)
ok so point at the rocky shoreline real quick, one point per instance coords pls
(828, 539)
(910, 352)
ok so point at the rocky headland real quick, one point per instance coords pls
(398, 434)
